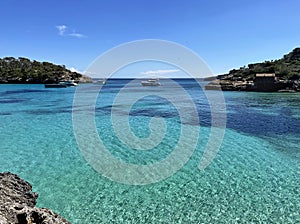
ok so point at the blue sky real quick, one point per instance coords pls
(226, 34)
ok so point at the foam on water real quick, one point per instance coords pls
(253, 179)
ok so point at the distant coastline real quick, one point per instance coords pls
(282, 75)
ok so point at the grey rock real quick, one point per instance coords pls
(17, 203)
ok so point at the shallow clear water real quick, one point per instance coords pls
(253, 179)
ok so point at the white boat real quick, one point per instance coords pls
(150, 82)
(100, 82)
(69, 83)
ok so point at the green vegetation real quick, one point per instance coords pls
(286, 68)
(23, 70)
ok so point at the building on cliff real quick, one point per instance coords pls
(265, 82)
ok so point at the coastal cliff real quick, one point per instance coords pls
(269, 76)
(17, 203)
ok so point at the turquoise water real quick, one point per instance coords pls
(253, 179)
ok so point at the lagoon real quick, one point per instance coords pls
(253, 179)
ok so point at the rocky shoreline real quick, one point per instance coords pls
(249, 85)
(17, 203)
(82, 79)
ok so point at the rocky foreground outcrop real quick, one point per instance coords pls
(17, 203)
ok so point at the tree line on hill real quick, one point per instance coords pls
(281, 75)
(23, 70)
(286, 68)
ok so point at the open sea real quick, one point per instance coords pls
(255, 177)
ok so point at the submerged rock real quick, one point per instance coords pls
(17, 203)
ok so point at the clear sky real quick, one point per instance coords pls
(225, 33)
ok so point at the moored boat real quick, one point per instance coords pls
(151, 82)
(100, 82)
(69, 83)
